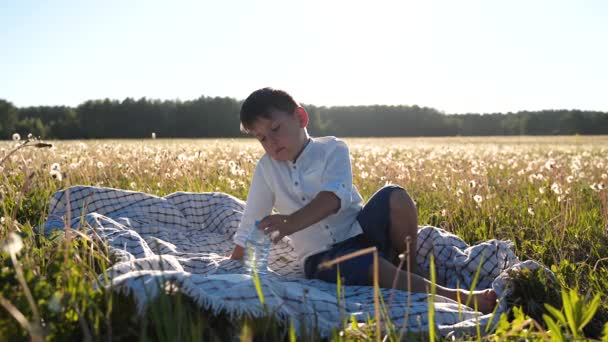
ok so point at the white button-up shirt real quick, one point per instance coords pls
(323, 165)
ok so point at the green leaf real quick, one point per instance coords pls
(556, 314)
(569, 311)
(556, 331)
(353, 323)
(589, 311)
(292, 332)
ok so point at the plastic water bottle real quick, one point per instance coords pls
(256, 253)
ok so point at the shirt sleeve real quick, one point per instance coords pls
(337, 176)
(260, 202)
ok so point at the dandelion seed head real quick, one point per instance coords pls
(556, 188)
(531, 211)
(12, 244)
(56, 174)
(478, 198)
(16, 137)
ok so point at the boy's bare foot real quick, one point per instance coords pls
(486, 300)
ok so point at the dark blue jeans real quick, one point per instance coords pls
(375, 220)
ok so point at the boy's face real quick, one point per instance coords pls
(283, 135)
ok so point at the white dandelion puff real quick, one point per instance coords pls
(531, 211)
(99, 165)
(153, 135)
(56, 174)
(472, 184)
(478, 198)
(16, 137)
(556, 188)
(13, 244)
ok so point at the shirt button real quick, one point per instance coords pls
(294, 167)
(303, 199)
(296, 183)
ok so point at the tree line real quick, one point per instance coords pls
(219, 117)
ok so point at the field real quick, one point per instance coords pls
(548, 195)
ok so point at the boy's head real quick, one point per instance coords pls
(277, 121)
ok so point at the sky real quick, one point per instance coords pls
(456, 56)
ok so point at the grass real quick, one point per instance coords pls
(548, 195)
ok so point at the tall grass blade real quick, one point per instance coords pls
(431, 310)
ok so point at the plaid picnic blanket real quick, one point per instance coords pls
(184, 238)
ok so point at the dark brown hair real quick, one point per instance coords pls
(262, 102)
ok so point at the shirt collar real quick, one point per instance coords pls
(303, 152)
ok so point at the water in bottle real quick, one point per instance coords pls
(256, 253)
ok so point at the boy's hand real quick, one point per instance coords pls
(238, 253)
(277, 223)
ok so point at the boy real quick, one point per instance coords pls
(309, 181)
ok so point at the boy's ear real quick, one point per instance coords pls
(302, 116)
